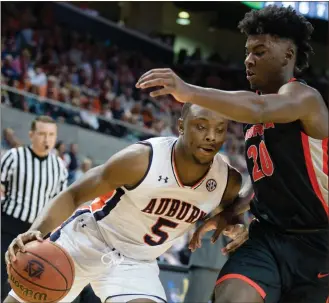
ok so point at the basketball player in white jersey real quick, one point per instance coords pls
(158, 189)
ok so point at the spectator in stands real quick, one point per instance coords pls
(126, 98)
(33, 104)
(134, 115)
(148, 115)
(86, 165)
(25, 62)
(163, 127)
(125, 76)
(117, 109)
(10, 47)
(38, 78)
(60, 151)
(107, 95)
(106, 112)
(88, 118)
(71, 158)
(76, 53)
(73, 75)
(9, 139)
(100, 73)
(87, 68)
(53, 89)
(64, 95)
(8, 71)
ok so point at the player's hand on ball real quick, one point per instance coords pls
(170, 82)
(217, 223)
(238, 233)
(18, 244)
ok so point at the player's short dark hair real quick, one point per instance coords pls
(282, 22)
(185, 110)
(44, 119)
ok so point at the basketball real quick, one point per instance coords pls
(43, 273)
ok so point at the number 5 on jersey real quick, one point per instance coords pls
(156, 230)
(267, 167)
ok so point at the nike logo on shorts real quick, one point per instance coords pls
(321, 275)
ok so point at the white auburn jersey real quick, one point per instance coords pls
(143, 222)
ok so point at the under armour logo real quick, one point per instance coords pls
(34, 269)
(164, 179)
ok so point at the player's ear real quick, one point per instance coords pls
(180, 126)
(30, 134)
(289, 55)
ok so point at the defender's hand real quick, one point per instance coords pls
(18, 244)
(170, 82)
(217, 223)
(238, 233)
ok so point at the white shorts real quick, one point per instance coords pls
(113, 277)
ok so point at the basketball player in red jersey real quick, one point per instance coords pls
(286, 135)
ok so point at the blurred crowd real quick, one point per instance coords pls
(54, 62)
(97, 79)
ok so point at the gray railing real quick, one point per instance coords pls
(132, 128)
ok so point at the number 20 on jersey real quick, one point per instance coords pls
(266, 168)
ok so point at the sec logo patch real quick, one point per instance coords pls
(211, 185)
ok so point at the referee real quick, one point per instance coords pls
(30, 177)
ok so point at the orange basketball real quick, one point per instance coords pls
(43, 273)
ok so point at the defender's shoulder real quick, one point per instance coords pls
(300, 87)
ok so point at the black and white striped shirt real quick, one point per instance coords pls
(30, 182)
